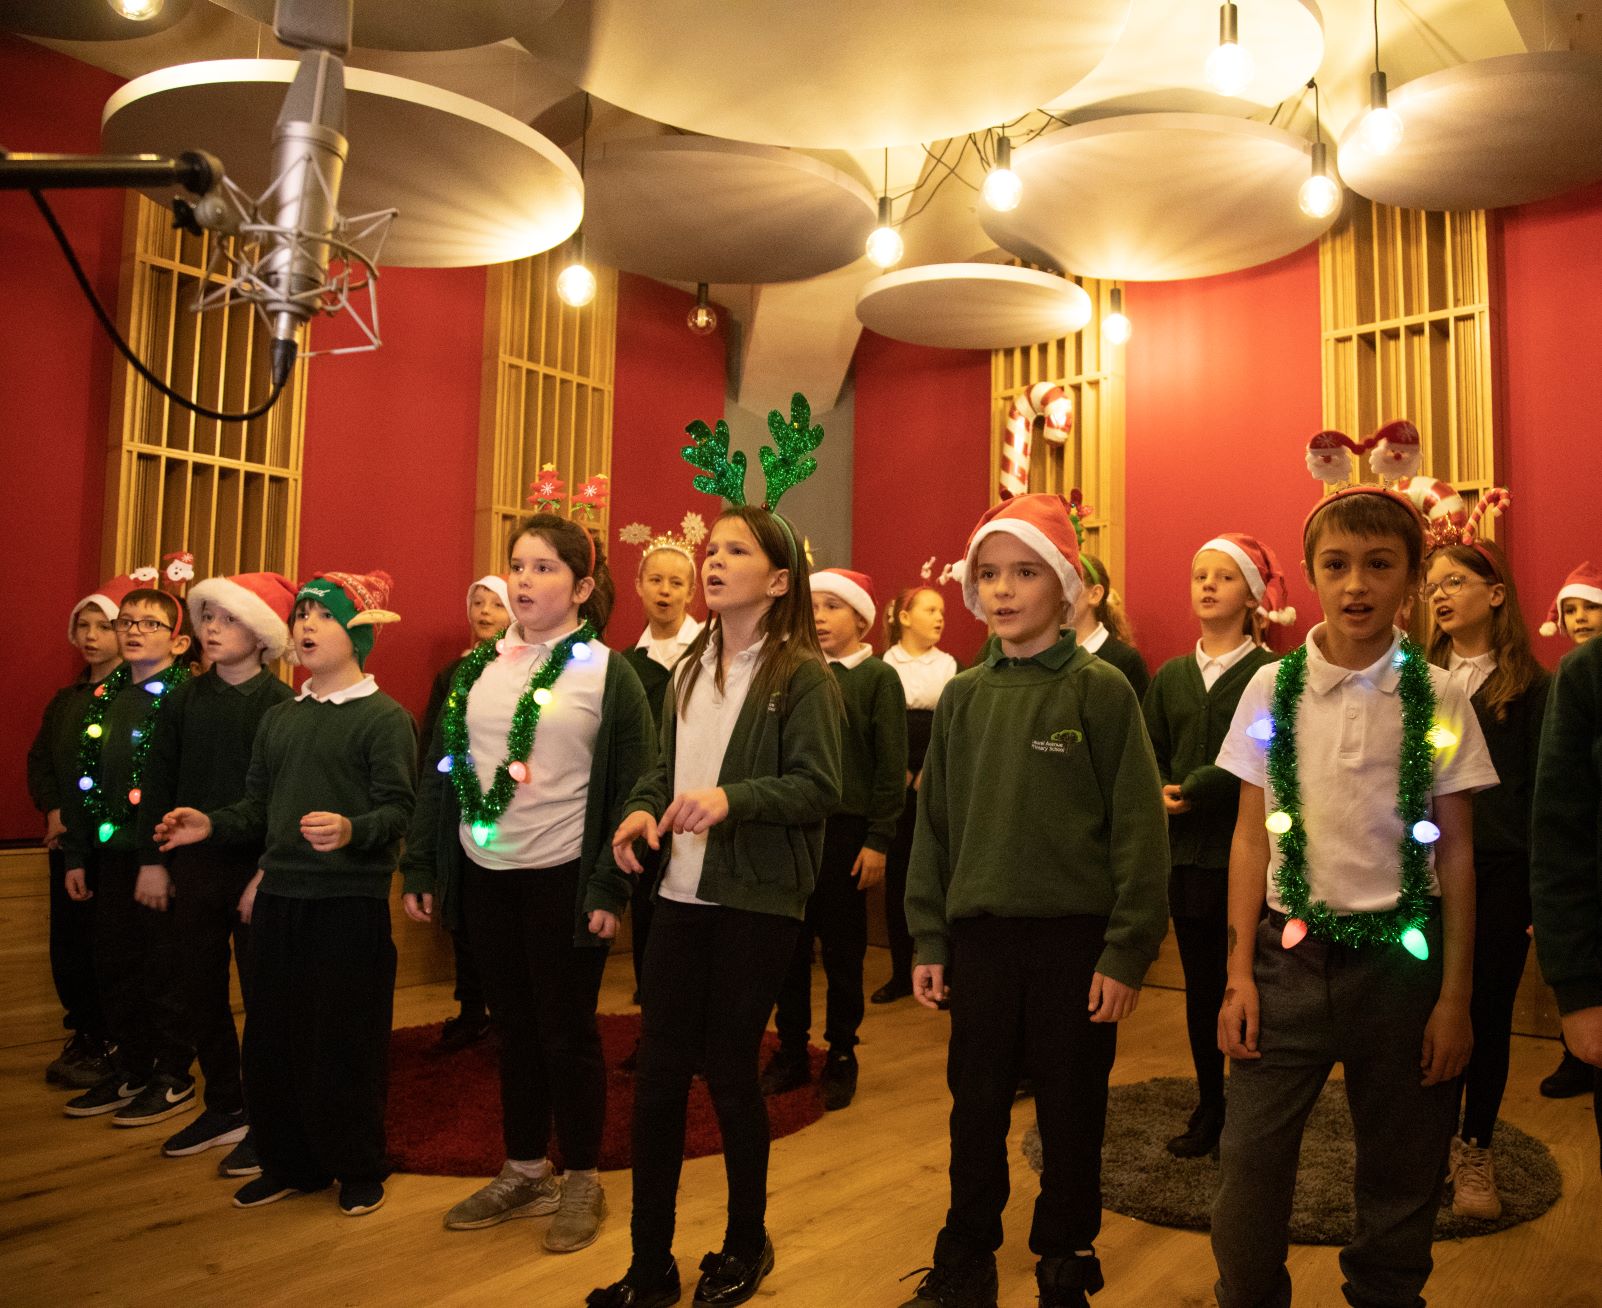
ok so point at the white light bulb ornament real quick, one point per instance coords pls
(1230, 65)
(1380, 132)
(1320, 194)
(885, 246)
(1002, 187)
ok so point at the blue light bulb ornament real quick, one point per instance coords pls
(445, 764)
(581, 653)
(155, 687)
(1426, 832)
(482, 831)
(1413, 941)
(86, 783)
(1261, 729)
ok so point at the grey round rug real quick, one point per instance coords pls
(1141, 1179)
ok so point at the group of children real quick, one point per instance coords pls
(1347, 878)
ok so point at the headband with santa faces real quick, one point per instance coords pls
(1394, 455)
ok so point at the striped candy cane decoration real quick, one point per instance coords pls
(1435, 499)
(1043, 399)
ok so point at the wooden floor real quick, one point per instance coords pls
(90, 1214)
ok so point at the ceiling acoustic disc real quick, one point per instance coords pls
(1482, 135)
(1158, 197)
(85, 20)
(473, 186)
(425, 24)
(827, 73)
(972, 306)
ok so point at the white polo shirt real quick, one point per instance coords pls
(1212, 668)
(1471, 673)
(700, 742)
(1097, 638)
(1348, 755)
(543, 826)
(923, 676)
(667, 652)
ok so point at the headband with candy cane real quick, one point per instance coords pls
(1443, 532)
(1046, 400)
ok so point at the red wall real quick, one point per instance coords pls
(55, 372)
(1552, 395)
(921, 468)
(666, 376)
(1223, 392)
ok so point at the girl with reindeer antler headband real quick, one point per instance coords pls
(748, 768)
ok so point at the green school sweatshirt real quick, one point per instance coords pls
(873, 773)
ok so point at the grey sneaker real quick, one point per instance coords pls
(578, 1218)
(507, 1196)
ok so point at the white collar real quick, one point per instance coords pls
(360, 690)
(856, 657)
(709, 656)
(1091, 643)
(897, 654)
(514, 643)
(1228, 659)
(1384, 674)
(689, 629)
(1485, 662)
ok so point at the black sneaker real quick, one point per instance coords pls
(163, 1097)
(74, 1051)
(958, 1279)
(638, 1290)
(1201, 1133)
(891, 991)
(207, 1131)
(727, 1279)
(262, 1191)
(788, 1069)
(1068, 1282)
(1570, 1078)
(92, 1068)
(107, 1096)
(241, 1160)
(466, 1028)
(357, 1198)
(838, 1084)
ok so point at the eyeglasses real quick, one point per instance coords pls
(1448, 586)
(144, 626)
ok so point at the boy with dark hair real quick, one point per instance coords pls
(85, 1059)
(1351, 934)
(1044, 889)
(150, 1080)
(332, 779)
(200, 758)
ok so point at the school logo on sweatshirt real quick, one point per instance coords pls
(1058, 741)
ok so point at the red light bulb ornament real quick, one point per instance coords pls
(1295, 932)
(518, 772)
(134, 796)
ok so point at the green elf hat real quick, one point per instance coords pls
(357, 602)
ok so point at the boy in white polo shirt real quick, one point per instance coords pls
(1356, 760)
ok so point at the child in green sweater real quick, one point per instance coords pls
(1236, 587)
(330, 788)
(1037, 880)
(855, 842)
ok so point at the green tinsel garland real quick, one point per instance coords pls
(110, 812)
(1356, 930)
(481, 809)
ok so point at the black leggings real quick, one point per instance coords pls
(1501, 945)
(1199, 900)
(711, 976)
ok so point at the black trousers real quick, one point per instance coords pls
(711, 974)
(641, 906)
(837, 916)
(72, 952)
(1019, 991)
(317, 1037)
(133, 947)
(1501, 945)
(206, 931)
(542, 991)
(895, 891)
(1198, 898)
(469, 992)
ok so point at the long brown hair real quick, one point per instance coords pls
(789, 636)
(1516, 666)
(584, 555)
(1110, 612)
(899, 605)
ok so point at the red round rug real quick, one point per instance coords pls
(444, 1116)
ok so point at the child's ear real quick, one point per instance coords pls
(781, 582)
(180, 646)
(1498, 595)
(583, 590)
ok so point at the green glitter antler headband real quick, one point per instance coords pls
(785, 464)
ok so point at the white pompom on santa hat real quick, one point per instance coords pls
(1585, 582)
(261, 600)
(1042, 522)
(855, 588)
(108, 599)
(1259, 565)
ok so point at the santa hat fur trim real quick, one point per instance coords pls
(261, 600)
(1042, 522)
(1585, 582)
(1260, 567)
(494, 584)
(108, 599)
(855, 588)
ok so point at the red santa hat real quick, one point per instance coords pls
(1585, 582)
(855, 588)
(1259, 565)
(108, 599)
(496, 586)
(1045, 523)
(261, 600)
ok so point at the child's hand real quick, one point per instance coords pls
(54, 829)
(929, 984)
(183, 826)
(420, 908)
(1583, 1030)
(868, 869)
(247, 898)
(78, 885)
(153, 889)
(636, 826)
(325, 832)
(694, 811)
(1448, 1042)
(603, 924)
(1174, 800)
(1237, 1021)
(1110, 1000)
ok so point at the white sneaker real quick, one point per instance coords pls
(509, 1195)
(1474, 1183)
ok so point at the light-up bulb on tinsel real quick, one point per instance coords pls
(86, 784)
(107, 831)
(1294, 933)
(482, 831)
(542, 697)
(445, 764)
(1413, 941)
(1426, 832)
(134, 796)
(1261, 729)
(581, 653)
(1441, 736)
(155, 687)
(93, 731)
(518, 771)
(1279, 822)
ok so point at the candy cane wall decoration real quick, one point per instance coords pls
(1042, 400)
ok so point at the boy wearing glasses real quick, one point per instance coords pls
(200, 758)
(123, 715)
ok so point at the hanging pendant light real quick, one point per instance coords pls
(885, 246)
(1229, 66)
(575, 284)
(703, 319)
(136, 11)
(1116, 328)
(1002, 188)
(1320, 195)
(1381, 129)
